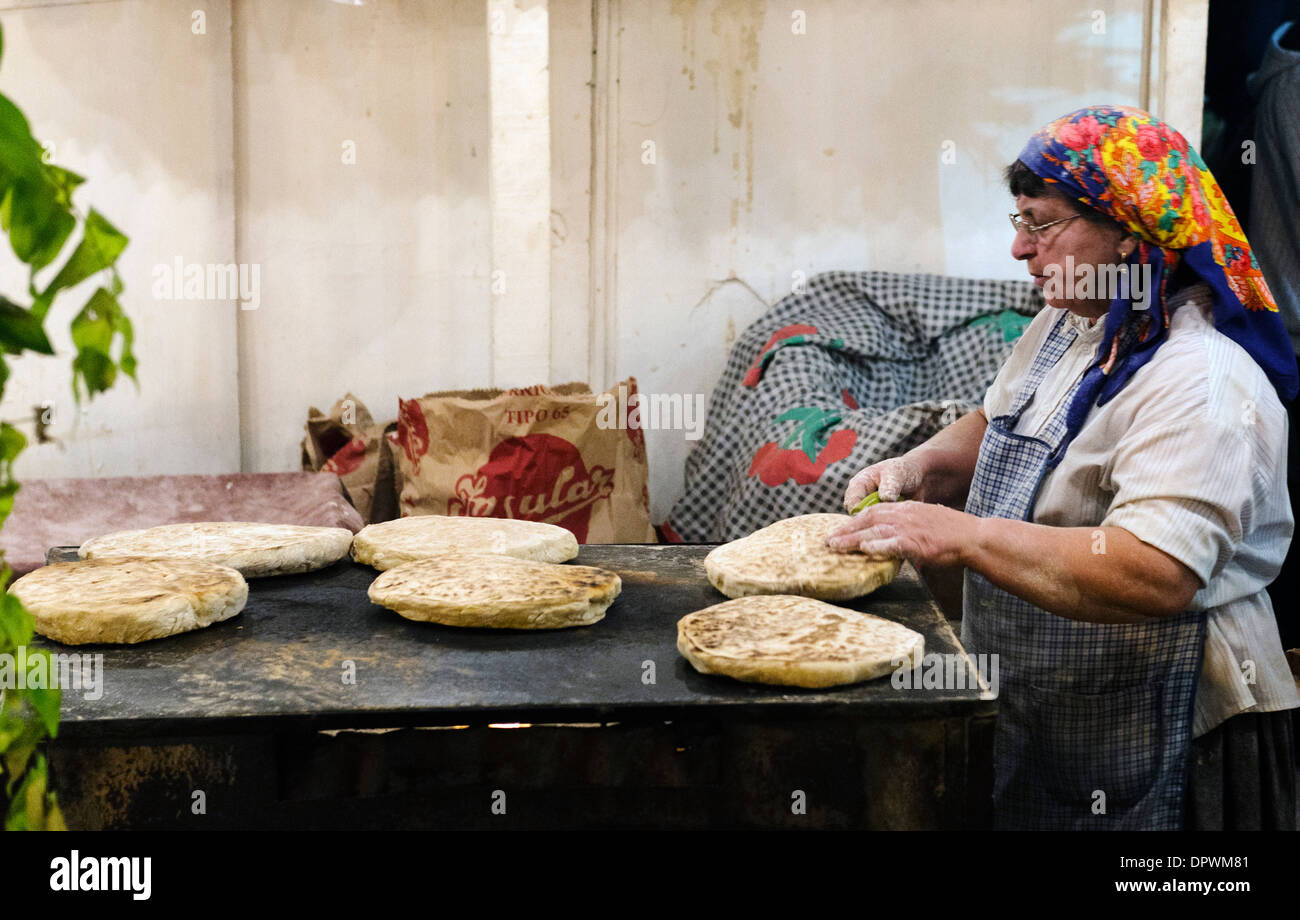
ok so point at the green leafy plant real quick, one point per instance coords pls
(37, 213)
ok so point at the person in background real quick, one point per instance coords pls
(1275, 232)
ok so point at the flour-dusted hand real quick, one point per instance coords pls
(895, 478)
(922, 533)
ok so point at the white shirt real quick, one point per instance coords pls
(1189, 457)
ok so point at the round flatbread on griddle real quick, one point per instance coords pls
(795, 642)
(791, 557)
(128, 600)
(500, 592)
(428, 536)
(255, 550)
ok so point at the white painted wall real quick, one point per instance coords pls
(375, 275)
(779, 152)
(130, 97)
(774, 152)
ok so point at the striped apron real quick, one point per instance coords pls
(1094, 720)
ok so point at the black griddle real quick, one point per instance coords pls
(281, 662)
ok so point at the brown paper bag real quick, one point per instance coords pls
(545, 454)
(349, 443)
(328, 434)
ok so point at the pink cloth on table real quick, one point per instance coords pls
(68, 512)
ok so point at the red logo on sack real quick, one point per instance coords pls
(412, 431)
(635, 433)
(537, 477)
(347, 458)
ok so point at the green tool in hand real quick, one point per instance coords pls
(872, 499)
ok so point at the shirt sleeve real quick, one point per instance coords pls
(1185, 488)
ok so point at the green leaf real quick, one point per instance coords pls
(93, 333)
(101, 244)
(20, 155)
(32, 209)
(32, 807)
(45, 701)
(93, 326)
(19, 753)
(64, 182)
(38, 225)
(16, 625)
(12, 442)
(122, 326)
(12, 726)
(20, 329)
(93, 370)
(812, 429)
(1011, 324)
(7, 492)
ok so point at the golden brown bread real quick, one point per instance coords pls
(791, 557)
(254, 549)
(128, 600)
(502, 592)
(795, 641)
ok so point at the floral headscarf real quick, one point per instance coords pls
(1142, 173)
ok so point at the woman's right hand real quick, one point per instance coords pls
(895, 479)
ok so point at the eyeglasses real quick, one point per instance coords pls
(1033, 230)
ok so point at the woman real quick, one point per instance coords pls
(1127, 499)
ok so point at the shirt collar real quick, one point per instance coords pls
(1085, 327)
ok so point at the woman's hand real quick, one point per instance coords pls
(1093, 574)
(922, 533)
(895, 478)
(937, 471)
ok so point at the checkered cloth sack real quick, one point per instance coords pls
(858, 367)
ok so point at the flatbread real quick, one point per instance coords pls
(501, 592)
(428, 536)
(791, 557)
(128, 600)
(256, 550)
(795, 641)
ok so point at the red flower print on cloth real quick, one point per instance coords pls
(1150, 144)
(774, 463)
(1080, 135)
(670, 534)
(795, 333)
